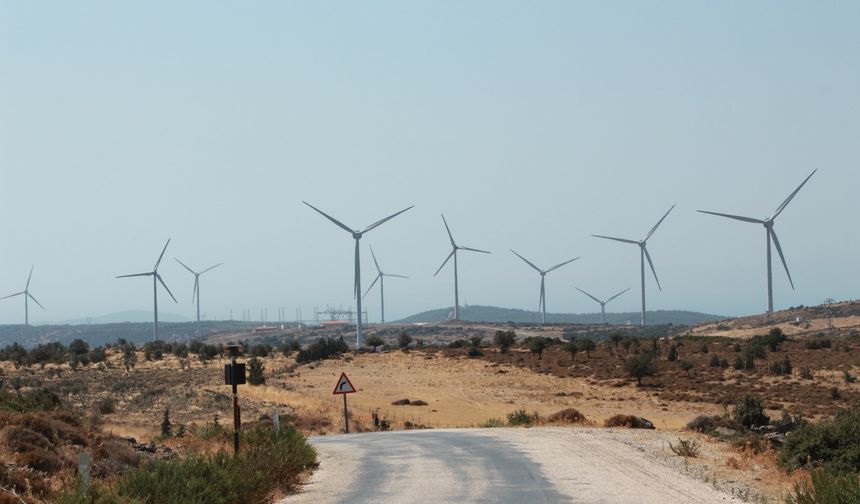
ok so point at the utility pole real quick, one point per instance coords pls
(829, 301)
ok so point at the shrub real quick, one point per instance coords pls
(106, 406)
(261, 350)
(640, 367)
(325, 348)
(824, 487)
(724, 363)
(848, 377)
(781, 367)
(586, 345)
(504, 340)
(374, 341)
(806, 373)
(475, 352)
(255, 372)
(567, 415)
(715, 361)
(166, 426)
(459, 343)
(707, 424)
(572, 348)
(686, 366)
(673, 353)
(749, 412)
(537, 344)
(492, 423)
(521, 418)
(629, 421)
(686, 448)
(403, 340)
(834, 394)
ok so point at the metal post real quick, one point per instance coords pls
(237, 424)
(345, 416)
(642, 264)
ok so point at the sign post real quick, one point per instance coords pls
(234, 374)
(344, 387)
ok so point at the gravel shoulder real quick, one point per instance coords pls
(569, 465)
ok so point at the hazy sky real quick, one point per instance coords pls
(530, 124)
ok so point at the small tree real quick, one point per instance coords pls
(586, 345)
(374, 341)
(403, 340)
(616, 337)
(537, 345)
(255, 372)
(640, 367)
(165, 424)
(129, 357)
(673, 353)
(504, 340)
(686, 366)
(573, 348)
(79, 347)
(749, 412)
(715, 361)
(626, 344)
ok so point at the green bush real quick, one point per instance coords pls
(715, 361)
(781, 367)
(640, 367)
(749, 412)
(492, 423)
(504, 340)
(521, 418)
(824, 487)
(834, 443)
(325, 348)
(255, 372)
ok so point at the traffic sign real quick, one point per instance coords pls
(344, 386)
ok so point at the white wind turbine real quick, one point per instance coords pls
(453, 254)
(643, 254)
(27, 296)
(602, 303)
(770, 233)
(542, 303)
(156, 279)
(356, 234)
(195, 295)
(380, 277)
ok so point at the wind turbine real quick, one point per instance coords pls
(195, 295)
(453, 253)
(380, 276)
(357, 236)
(770, 233)
(27, 296)
(156, 279)
(602, 303)
(643, 254)
(542, 303)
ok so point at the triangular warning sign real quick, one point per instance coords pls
(344, 386)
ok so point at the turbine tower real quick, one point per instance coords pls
(643, 254)
(602, 303)
(771, 234)
(542, 303)
(356, 234)
(380, 276)
(453, 253)
(27, 296)
(156, 279)
(195, 295)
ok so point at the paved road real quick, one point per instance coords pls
(496, 465)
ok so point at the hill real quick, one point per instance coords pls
(495, 314)
(142, 316)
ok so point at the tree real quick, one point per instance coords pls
(165, 424)
(255, 372)
(572, 348)
(586, 345)
(686, 366)
(403, 340)
(616, 337)
(640, 367)
(374, 341)
(79, 347)
(505, 339)
(537, 345)
(129, 357)
(749, 412)
(673, 353)
(626, 344)
(289, 347)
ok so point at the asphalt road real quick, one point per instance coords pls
(496, 465)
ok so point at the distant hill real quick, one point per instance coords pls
(126, 316)
(477, 313)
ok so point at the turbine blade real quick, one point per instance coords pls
(162, 255)
(383, 221)
(35, 301)
(393, 275)
(165, 287)
(542, 294)
(589, 295)
(135, 275)
(329, 217)
(184, 266)
(371, 286)
(782, 257)
(473, 250)
(658, 224)
(790, 196)
(211, 268)
(29, 277)
(616, 239)
(194, 290)
(736, 217)
(374, 260)
(620, 293)
(445, 262)
(648, 256)
(450, 236)
(526, 261)
(13, 295)
(559, 265)
(355, 289)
